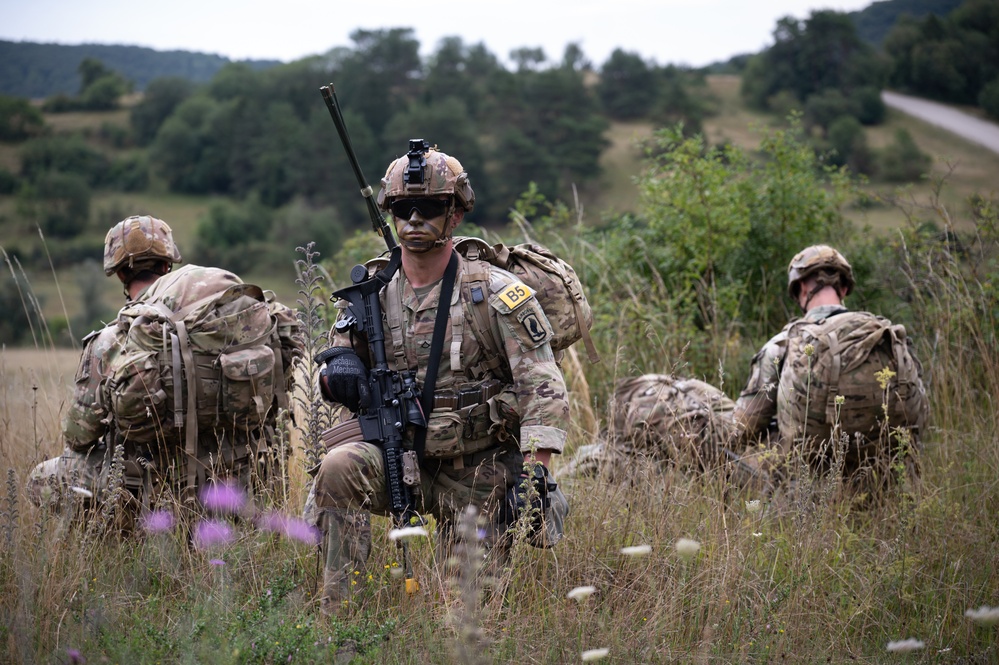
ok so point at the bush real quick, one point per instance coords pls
(69, 155)
(58, 202)
(19, 120)
(903, 161)
(8, 182)
(849, 144)
(989, 99)
(129, 174)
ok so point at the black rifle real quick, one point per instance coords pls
(395, 401)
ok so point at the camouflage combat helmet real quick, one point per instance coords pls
(441, 174)
(138, 239)
(813, 259)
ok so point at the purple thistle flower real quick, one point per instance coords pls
(294, 528)
(223, 497)
(212, 532)
(158, 521)
(75, 656)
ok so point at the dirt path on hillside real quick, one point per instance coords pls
(966, 126)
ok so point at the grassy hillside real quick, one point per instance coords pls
(974, 170)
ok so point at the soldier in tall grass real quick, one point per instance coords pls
(138, 252)
(844, 387)
(128, 389)
(492, 408)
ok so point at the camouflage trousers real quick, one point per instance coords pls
(83, 473)
(350, 485)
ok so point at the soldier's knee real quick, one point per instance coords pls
(346, 475)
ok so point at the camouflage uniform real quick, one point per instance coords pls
(473, 454)
(662, 418)
(83, 462)
(795, 403)
(86, 459)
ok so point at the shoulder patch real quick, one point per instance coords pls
(515, 294)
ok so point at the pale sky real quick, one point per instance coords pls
(691, 32)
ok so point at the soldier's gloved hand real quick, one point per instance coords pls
(344, 378)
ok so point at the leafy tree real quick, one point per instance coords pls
(58, 202)
(187, 150)
(233, 236)
(950, 58)
(160, 100)
(810, 56)
(627, 87)
(19, 120)
(380, 75)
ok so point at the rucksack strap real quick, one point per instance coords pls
(436, 348)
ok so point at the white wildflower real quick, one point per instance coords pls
(906, 646)
(636, 550)
(757, 534)
(984, 615)
(581, 592)
(595, 654)
(687, 548)
(753, 506)
(82, 492)
(407, 532)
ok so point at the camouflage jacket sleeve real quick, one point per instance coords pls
(84, 424)
(524, 333)
(757, 404)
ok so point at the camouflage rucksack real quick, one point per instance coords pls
(555, 284)
(202, 354)
(839, 356)
(685, 420)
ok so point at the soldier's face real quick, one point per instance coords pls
(421, 222)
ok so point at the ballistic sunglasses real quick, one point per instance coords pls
(427, 208)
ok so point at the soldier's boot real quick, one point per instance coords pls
(347, 544)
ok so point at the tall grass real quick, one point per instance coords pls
(805, 579)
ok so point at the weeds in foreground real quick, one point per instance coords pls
(800, 578)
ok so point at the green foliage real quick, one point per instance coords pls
(8, 182)
(627, 86)
(161, 97)
(902, 160)
(849, 146)
(58, 202)
(70, 155)
(989, 99)
(951, 58)
(875, 21)
(100, 90)
(19, 120)
(233, 236)
(822, 52)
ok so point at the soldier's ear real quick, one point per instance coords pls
(456, 217)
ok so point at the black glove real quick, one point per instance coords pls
(529, 491)
(344, 378)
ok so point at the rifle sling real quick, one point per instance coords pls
(436, 349)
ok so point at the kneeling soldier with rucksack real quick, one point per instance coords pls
(186, 382)
(843, 386)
